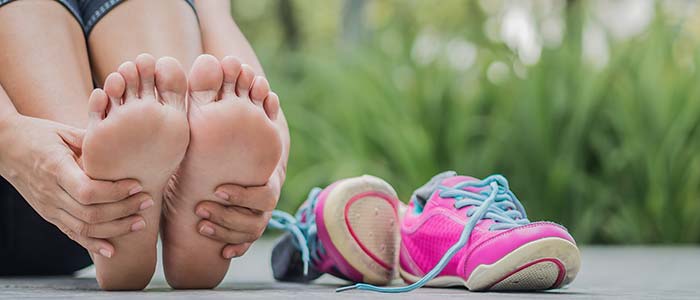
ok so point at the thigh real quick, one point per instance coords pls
(44, 63)
(159, 27)
(31, 246)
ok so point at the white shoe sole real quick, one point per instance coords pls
(360, 215)
(546, 263)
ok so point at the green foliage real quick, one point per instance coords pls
(612, 153)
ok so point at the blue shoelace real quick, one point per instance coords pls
(304, 232)
(495, 201)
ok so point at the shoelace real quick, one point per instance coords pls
(495, 201)
(302, 226)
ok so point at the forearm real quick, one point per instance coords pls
(221, 37)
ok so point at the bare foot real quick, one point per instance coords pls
(136, 133)
(233, 140)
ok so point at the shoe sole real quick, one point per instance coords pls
(543, 264)
(360, 215)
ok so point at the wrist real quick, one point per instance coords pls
(8, 125)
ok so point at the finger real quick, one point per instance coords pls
(103, 230)
(87, 191)
(261, 198)
(106, 212)
(235, 250)
(225, 235)
(97, 246)
(232, 217)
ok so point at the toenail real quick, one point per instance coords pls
(138, 226)
(206, 230)
(203, 213)
(106, 253)
(135, 190)
(222, 195)
(146, 204)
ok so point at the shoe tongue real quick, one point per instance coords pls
(447, 178)
(452, 181)
(423, 193)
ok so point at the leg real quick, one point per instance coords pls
(43, 48)
(233, 140)
(244, 152)
(44, 62)
(128, 29)
(137, 26)
(221, 37)
(135, 133)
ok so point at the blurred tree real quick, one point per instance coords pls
(288, 21)
(353, 30)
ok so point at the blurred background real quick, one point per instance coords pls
(591, 109)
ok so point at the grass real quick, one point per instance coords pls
(612, 153)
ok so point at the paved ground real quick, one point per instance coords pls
(607, 272)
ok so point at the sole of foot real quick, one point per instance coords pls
(234, 140)
(136, 132)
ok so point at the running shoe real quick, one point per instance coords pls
(461, 231)
(349, 229)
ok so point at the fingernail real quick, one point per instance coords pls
(138, 225)
(222, 195)
(146, 204)
(137, 189)
(206, 230)
(106, 253)
(203, 213)
(229, 254)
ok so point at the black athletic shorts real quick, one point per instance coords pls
(29, 245)
(88, 12)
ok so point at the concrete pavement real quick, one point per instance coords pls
(606, 273)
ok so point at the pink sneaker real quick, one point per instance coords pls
(349, 229)
(459, 230)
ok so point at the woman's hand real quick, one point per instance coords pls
(245, 219)
(40, 159)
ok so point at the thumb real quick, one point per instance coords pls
(72, 136)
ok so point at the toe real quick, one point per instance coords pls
(114, 87)
(145, 64)
(171, 82)
(245, 80)
(205, 79)
(131, 78)
(259, 90)
(232, 67)
(272, 105)
(97, 106)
